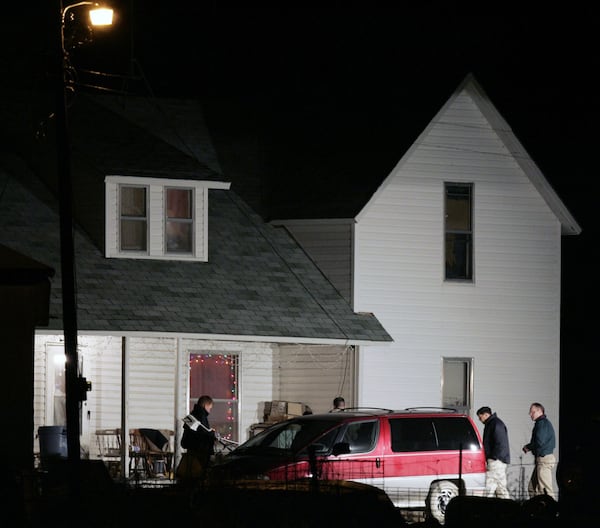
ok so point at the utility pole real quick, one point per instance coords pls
(67, 250)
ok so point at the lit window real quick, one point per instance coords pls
(179, 226)
(133, 219)
(457, 383)
(458, 231)
(217, 376)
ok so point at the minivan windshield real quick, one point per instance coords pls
(293, 436)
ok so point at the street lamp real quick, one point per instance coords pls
(75, 386)
(99, 16)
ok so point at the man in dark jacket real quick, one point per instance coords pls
(497, 453)
(542, 444)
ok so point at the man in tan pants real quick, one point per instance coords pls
(542, 444)
(497, 453)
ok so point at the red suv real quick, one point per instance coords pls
(421, 457)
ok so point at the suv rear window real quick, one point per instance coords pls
(455, 433)
(431, 434)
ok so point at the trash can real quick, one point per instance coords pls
(53, 441)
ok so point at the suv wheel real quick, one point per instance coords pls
(440, 494)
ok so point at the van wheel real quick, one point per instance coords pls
(440, 494)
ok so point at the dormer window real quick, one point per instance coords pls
(157, 218)
(179, 220)
(133, 218)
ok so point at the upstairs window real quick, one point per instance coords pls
(458, 231)
(179, 223)
(133, 219)
(157, 218)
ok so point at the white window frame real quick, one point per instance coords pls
(469, 254)
(191, 400)
(133, 218)
(156, 198)
(457, 383)
(191, 220)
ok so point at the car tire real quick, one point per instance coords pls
(441, 492)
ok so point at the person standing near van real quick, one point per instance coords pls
(497, 453)
(339, 404)
(542, 444)
(199, 441)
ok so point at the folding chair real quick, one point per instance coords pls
(109, 449)
(151, 452)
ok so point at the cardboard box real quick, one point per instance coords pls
(277, 410)
(294, 409)
(266, 411)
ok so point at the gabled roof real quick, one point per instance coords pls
(105, 142)
(178, 122)
(340, 159)
(110, 144)
(512, 144)
(258, 284)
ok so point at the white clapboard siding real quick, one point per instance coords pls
(151, 382)
(329, 244)
(256, 377)
(101, 356)
(157, 382)
(316, 375)
(507, 320)
(39, 385)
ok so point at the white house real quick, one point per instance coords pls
(181, 289)
(458, 255)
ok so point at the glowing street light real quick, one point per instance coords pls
(101, 16)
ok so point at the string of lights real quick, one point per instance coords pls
(208, 373)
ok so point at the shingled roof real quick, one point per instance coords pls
(257, 283)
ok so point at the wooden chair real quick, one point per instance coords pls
(151, 452)
(109, 449)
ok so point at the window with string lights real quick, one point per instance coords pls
(217, 376)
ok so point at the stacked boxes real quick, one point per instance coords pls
(294, 409)
(277, 411)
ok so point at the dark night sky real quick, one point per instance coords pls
(539, 68)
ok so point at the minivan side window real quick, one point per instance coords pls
(455, 433)
(432, 434)
(360, 436)
(412, 434)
